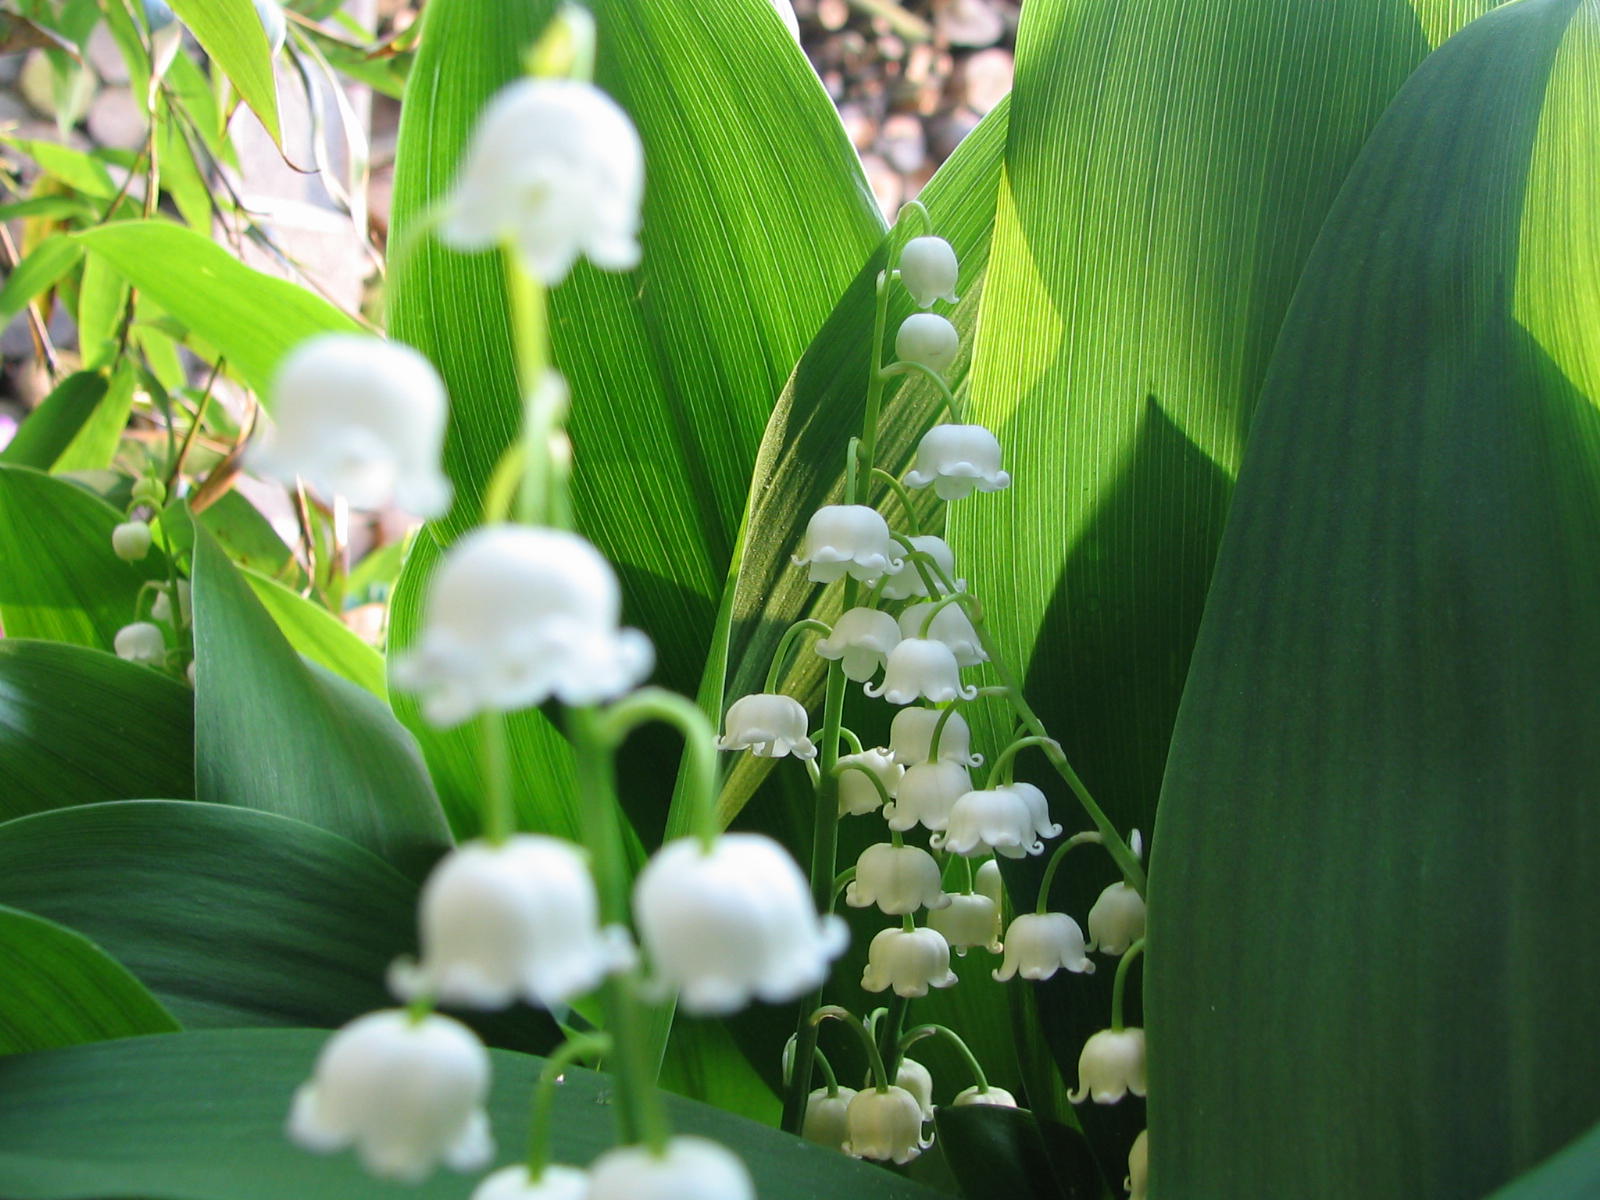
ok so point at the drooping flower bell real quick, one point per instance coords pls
(997, 1097)
(518, 920)
(1117, 919)
(848, 539)
(1111, 1065)
(995, 820)
(921, 669)
(861, 640)
(732, 922)
(857, 795)
(162, 608)
(686, 1167)
(885, 1125)
(141, 642)
(358, 417)
(929, 339)
(407, 1092)
(918, 1080)
(516, 615)
(769, 725)
(1138, 1180)
(514, 1183)
(950, 625)
(1038, 805)
(929, 269)
(1040, 944)
(911, 738)
(908, 960)
(956, 460)
(909, 581)
(825, 1121)
(928, 791)
(555, 168)
(970, 919)
(130, 541)
(898, 879)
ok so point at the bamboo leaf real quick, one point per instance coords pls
(50, 428)
(232, 34)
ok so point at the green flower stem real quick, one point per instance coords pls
(902, 495)
(581, 1045)
(925, 1031)
(826, 1067)
(1120, 983)
(1000, 772)
(849, 736)
(907, 367)
(499, 810)
(874, 1058)
(875, 380)
(883, 792)
(640, 1115)
(840, 882)
(919, 210)
(938, 606)
(852, 460)
(419, 1008)
(888, 1030)
(531, 343)
(781, 655)
(938, 732)
(699, 745)
(1077, 839)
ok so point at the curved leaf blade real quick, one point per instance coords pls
(232, 34)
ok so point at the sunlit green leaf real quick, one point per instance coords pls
(232, 35)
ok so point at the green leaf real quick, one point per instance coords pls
(231, 34)
(996, 1151)
(320, 636)
(101, 296)
(1379, 825)
(78, 726)
(151, 1117)
(50, 428)
(95, 445)
(276, 733)
(249, 318)
(1571, 1174)
(40, 270)
(82, 172)
(61, 989)
(59, 579)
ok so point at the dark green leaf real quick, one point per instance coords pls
(96, 443)
(999, 1152)
(50, 428)
(1571, 1174)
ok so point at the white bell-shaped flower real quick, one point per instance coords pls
(989, 882)
(1038, 808)
(956, 460)
(970, 919)
(1117, 919)
(908, 960)
(554, 1183)
(825, 1121)
(928, 791)
(556, 168)
(898, 879)
(921, 669)
(911, 738)
(1110, 1066)
(1138, 1181)
(161, 606)
(732, 922)
(929, 269)
(995, 820)
(688, 1167)
(909, 581)
(141, 642)
(516, 615)
(950, 625)
(918, 1080)
(885, 1125)
(514, 921)
(995, 1096)
(407, 1092)
(848, 538)
(769, 725)
(130, 541)
(857, 795)
(929, 339)
(1040, 944)
(862, 638)
(358, 417)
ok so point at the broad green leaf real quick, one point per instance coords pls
(997, 1151)
(282, 735)
(35, 273)
(95, 444)
(319, 635)
(50, 428)
(82, 172)
(199, 1116)
(248, 318)
(1379, 825)
(61, 989)
(1571, 1174)
(78, 726)
(59, 579)
(101, 295)
(231, 34)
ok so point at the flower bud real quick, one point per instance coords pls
(687, 1167)
(929, 269)
(885, 1125)
(918, 1080)
(141, 642)
(1111, 1065)
(161, 606)
(956, 459)
(908, 960)
(769, 725)
(995, 820)
(1040, 944)
(908, 581)
(929, 339)
(997, 1097)
(130, 541)
(1117, 919)
(911, 738)
(554, 1183)
(407, 1092)
(862, 638)
(1038, 805)
(147, 489)
(825, 1121)
(928, 791)
(847, 538)
(1138, 1180)
(969, 920)
(989, 882)
(898, 879)
(921, 669)
(857, 796)
(951, 626)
